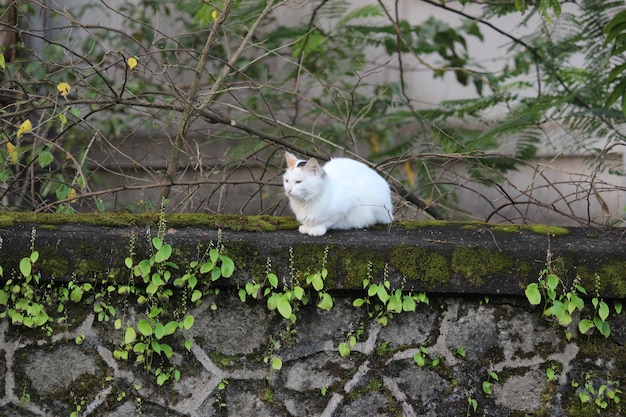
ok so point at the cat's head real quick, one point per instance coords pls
(303, 180)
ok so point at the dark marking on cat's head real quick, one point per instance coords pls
(301, 164)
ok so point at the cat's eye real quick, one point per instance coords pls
(298, 181)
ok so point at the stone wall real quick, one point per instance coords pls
(473, 339)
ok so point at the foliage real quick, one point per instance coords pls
(383, 303)
(561, 304)
(228, 83)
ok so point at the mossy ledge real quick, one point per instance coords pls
(438, 257)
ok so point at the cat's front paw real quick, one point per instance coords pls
(312, 230)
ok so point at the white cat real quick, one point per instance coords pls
(344, 194)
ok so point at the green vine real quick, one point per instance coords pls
(560, 303)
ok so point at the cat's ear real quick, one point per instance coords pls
(313, 167)
(291, 160)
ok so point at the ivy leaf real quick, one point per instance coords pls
(144, 327)
(196, 295)
(326, 303)
(4, 297)
(277, 364)
(26, 267)
(76, 294)
(344, 349)
(228, 267)
(284, 307)
(163, 253)
(585, 326)
(532, 294)
(272, 279)
(358, 302)
(129, 335)
(408, 303)
(188, 322)
(487, 387)
(395, 304)
(419, 359)
(170, 328)
(603, 310)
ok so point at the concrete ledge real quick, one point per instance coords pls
(432, 256)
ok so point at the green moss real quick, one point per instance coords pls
(612, 278)
(477, 264)
(224, 221)
(420, 264)
(247, 258)
(357, 265)
(419, 224)
(52, 262)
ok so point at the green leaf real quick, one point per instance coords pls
(159, 330)
(76, 294)
(196, 295)
(532, 294)
(394, 304)
(326, 302)
(228, 267)
(163, 254)
(585, 326)
(419, 359)
(45, 158)
(382, 293)
(284, 307)
(603, 311)
(129, 335)
(188, 322)
(358, 302)
(170, 327)
(277, 364)
(216, 274)
(167, 350)
(4, 297)
(273, 280)
(139, 347)
(26, 267)
(408, 303)
(144, 327)
(344, 349)
(214, 254)
(552, 281)
(316, 281)
(618, 306)
(128, 262)
(3, 63)
(298, 292)
(487, 387)
(272, 301)
(602, 326)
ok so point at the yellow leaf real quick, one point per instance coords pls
(214, 14)
(25, 127)
(132, 62)
(3, 63)
(72, 195)
(12, 150)
(63, 88)
(408, 170)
